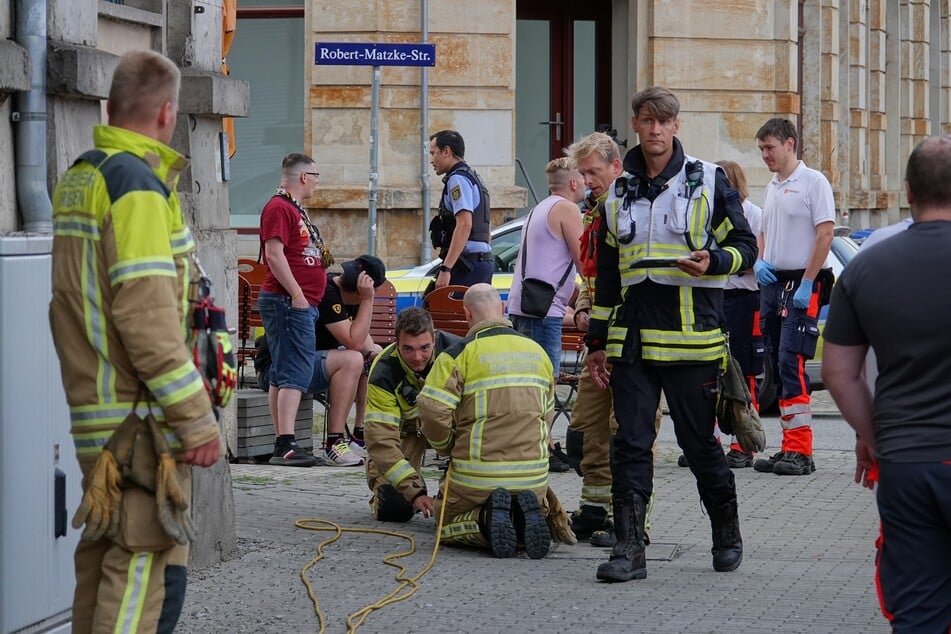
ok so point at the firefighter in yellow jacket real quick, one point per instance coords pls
(488, 403)
(674, 230)
(395, 444)
(121, 274)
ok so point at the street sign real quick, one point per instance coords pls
(374, 54)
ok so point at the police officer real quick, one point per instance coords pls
(460, 231)
(673, 232)
(395, 445)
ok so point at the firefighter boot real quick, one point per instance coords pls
(628, 557)
(574, 449)
(587, 520)
(495, 521)
(727, 544)
(530, 526)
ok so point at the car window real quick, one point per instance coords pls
(843, 250)
(505, 248)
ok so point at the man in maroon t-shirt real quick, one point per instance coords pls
(296, 260)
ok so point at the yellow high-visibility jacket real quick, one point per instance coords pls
(392, 415)
(121, 274)
(488, 403)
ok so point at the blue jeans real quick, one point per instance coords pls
(319, 382)
(291, 338)
(546, 332)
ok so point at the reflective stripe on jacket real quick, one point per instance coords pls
(488, 402)
(121, 272)
(392, 414)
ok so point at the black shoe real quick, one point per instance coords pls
(682, 461)
(292, 456)
(391, 506)
(587, 520)
(604, 538)
(727, 548)
(530, 527)
(794, 463)
(765, 465)
(558, 460)
(628, 559)
(498, 525)
(736, 459)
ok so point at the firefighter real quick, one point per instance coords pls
(395, 444)
(592, 416)
(121, 274)
(673, 232)
(488, 404)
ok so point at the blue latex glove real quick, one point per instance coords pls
(764, 272)
(801, 299)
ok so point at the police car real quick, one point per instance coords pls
(411, 284)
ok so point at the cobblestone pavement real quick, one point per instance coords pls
(807, 566)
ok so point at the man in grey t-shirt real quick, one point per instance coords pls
(895, 298)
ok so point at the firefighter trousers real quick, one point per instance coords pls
(690, 391)
(118, 590)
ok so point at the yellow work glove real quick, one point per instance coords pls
(169, 496)
(558, 523)
(99, 509)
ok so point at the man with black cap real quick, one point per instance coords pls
(343, 347)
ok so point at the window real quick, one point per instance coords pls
(268, 52)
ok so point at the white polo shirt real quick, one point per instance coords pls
(791, 210)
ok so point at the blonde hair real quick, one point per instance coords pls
(595, 143)
(736, 177)
(565, 163)
(141, 84)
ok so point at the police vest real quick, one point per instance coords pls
(677, 222)
(444, 223)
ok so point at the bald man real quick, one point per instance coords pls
(488, 403)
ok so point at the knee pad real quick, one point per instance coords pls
(391, 506)
(574, 448)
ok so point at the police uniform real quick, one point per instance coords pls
(395, 443)
(464, 189)
(666, 333)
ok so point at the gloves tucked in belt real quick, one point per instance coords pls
(172, 504)
(99, 509)
(764, 272)
(803, 294)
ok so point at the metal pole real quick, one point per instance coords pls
(374, 143)
(425, 249)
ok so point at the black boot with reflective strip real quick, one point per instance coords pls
(727, 543)
(495, 521)
(628, 557)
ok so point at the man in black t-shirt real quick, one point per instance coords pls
(894, 297)
(343, 347)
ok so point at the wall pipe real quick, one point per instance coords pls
(425, 249)
(33, 198)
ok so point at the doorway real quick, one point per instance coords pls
(563, 82)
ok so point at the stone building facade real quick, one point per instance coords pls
(865, 80)
(81, 41)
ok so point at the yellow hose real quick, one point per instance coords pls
(407, 585)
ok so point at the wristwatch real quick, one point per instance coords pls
(444, 269)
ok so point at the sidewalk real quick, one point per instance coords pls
(807, 566)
